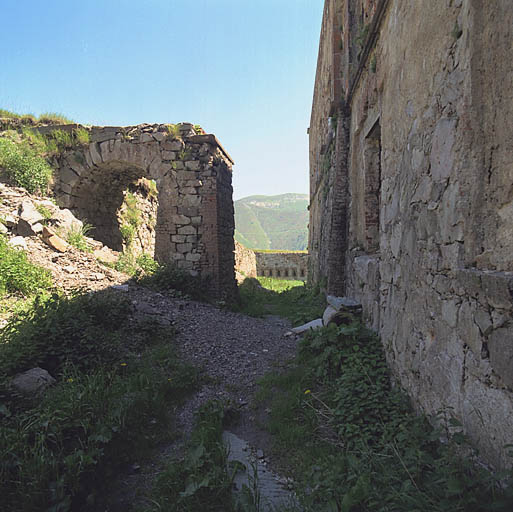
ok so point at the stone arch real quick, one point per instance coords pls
(93, 184)
(194, 224)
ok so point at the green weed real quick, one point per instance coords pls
(17, 274)
(116, 380)
(24, 165)
(200, 480)
(76, 237)
(353, 441)
(174, 130)
(127, 233)
(174, 280)
(54, 118)
(81, 136)
(44, 211)
(286, 298)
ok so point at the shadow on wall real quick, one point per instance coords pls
(121, 205)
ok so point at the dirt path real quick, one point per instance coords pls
(232, 349)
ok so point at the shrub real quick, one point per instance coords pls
(17, 274)
(24, 166)
(57, 331)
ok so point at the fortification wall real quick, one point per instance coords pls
(282, 265)
(424, 171)
(194, 222)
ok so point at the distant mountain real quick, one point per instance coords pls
(272, 222)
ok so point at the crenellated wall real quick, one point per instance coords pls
(411, 198)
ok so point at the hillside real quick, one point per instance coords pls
(272, 222)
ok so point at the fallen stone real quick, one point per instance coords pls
(29, 214)
(3, 228)
(10, 221)
(328, 314)
(66, 220)
(120, 287)
(32, 381)
(314, 324)
(343, 303)
(342, 318)
(106, 255)
(37, 228)
(54, 240)
(18, 242)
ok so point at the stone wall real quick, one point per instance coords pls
(245, 262)
(282, 265)
(194, 222)
(411, 198)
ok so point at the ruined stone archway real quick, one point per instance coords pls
(194, 224)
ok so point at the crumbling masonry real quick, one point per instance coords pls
(192, 174)
(411, 172)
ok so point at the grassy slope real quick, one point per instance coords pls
(282, 220)
(249, 230)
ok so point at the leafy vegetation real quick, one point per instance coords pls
(289, 299)
(355, 444)
(76, 236)
(272, 222)
(114, 377)
(200, 480)
(130, 219)
(24, 155)
(24, 165)
(17, 274)
(175, 280)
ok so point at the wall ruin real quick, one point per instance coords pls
(411, 197)
(194, 222)
(280, 265)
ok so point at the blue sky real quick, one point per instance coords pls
(243, 69)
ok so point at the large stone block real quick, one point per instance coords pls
(500, 346)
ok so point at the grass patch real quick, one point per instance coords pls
(17, 274)
(45, 118)
(76, 237)
(54, 118)
(116, 381)
(353, 442)
(289, 299)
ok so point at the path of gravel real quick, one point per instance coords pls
(234, 350)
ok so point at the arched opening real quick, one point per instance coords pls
(121, 204)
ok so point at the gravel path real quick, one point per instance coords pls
(234, 350)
